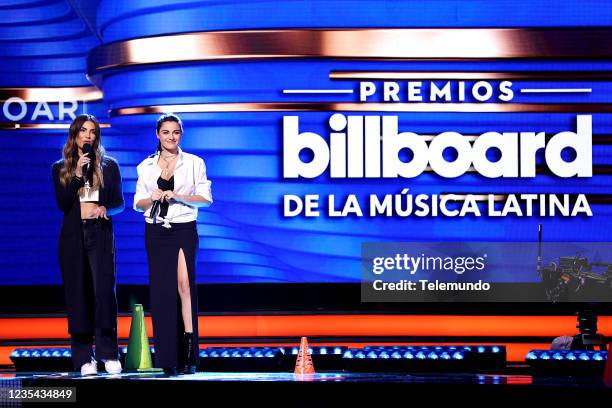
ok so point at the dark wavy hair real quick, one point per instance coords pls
(71, 152)
(167, 117)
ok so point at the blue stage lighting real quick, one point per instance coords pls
(457, 355)
(573, 362)
(408, 355)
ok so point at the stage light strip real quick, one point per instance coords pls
(463, 75)
(330, 325)
(363, 107)
(357, 43)
(515, 352)
(66, 94)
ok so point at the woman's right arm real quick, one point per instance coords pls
(143, 204)
(142, 199)
(65, 195)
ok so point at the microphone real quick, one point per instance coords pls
(154, 209)
(87, 151)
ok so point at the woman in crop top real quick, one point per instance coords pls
(88, 191)
(171, 186)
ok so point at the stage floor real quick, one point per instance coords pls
(337, 389)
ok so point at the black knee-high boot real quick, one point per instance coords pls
(189, 348)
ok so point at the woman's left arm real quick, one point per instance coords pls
(192, 200)
(115, 203)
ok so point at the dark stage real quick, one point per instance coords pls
(339, 389)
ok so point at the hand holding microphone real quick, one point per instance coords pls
(87, 153)
(156, 198)
(168, 195)
(82, 165)
(156, 195)
(161, 196)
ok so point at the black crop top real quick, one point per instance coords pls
(165, 185)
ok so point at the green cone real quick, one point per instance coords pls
(138, 353)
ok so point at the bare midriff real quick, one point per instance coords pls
(87, 210)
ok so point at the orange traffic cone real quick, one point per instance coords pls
(303, 364)
(607, 377)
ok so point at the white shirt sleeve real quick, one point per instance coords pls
(141, 192)
(202, 186)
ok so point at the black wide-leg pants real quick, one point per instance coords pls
(163, 245)
(99, 288)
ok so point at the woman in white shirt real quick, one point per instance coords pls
(171, 186)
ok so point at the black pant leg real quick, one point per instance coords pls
(81, 344)
(106, 338)
(106, 344)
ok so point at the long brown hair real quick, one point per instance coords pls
(71, 152)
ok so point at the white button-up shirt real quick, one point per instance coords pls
(189, 179)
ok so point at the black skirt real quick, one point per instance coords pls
(163, 245)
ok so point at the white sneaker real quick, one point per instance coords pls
(112, 366)
(90, 368)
